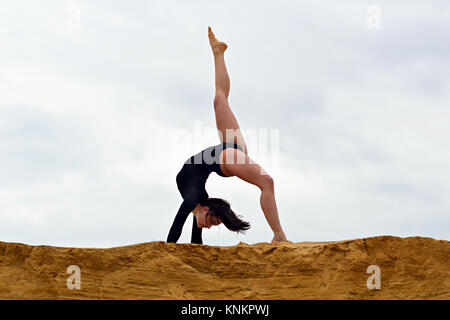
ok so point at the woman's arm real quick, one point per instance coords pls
(196, 236)
(189, 204)
(177, 225)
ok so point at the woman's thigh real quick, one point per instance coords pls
(234, 162)
(227, 125)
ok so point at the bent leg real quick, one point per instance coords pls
(237, 163)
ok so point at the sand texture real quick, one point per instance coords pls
(410, 268)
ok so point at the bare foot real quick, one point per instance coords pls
(217, 46)
(278, 237)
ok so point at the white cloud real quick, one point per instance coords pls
(87, 117)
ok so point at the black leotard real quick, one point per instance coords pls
(191, 182)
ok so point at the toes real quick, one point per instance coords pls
(210, 33)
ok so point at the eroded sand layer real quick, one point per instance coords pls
(411, 268)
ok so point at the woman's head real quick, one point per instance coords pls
(220, 211)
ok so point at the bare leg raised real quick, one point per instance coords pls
(221, 73)
(227, 125)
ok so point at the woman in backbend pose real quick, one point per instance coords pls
(227, 159)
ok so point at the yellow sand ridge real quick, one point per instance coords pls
(410, 268)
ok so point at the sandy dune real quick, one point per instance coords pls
(411, 268)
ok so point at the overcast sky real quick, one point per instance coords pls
(96, 95)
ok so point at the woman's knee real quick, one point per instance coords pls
(267, 182)
(220, 99)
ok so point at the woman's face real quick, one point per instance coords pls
(206, 220)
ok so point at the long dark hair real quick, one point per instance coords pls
(221, 209)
